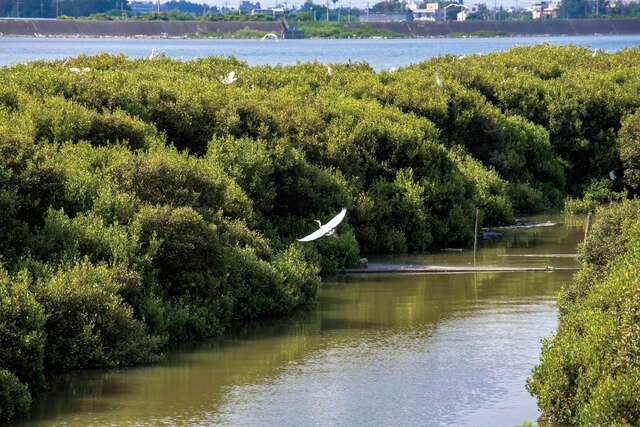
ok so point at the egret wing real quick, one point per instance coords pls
(336, 220)
(315, 235)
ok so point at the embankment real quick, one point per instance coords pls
(54, 28)
(572, 27)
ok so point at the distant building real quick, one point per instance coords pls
(140, 7)
(544, 10)
(431, 12)
(387, 17)
(462, 15)
(275, 12)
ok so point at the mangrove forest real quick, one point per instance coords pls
(147, 202)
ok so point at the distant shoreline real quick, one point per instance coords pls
(184, 29)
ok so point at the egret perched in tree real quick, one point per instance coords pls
(74, 69)
(153, 53)
(438, 79)
(595, 52)
(325, 230)
(231, 77)
(329, 70)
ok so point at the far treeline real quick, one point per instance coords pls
(182, 10)
(145, 203)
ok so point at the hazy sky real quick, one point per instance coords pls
(354, 3)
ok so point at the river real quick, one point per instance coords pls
(381, 54)
(430, 349)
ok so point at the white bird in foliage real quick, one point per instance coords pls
(66, 61)
(595, 52)
(461, 57)
(329, 70)
(393, 69)
(153, 53)
(85, 69)
(325, 230)
(231, 77)
(74, 69)
(438, 79)
(612, 175)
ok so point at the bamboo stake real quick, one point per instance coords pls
(587, 227)
(475, 239)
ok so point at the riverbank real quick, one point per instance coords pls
(588, 372)
(182, 29)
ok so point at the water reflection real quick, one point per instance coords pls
(434, 349)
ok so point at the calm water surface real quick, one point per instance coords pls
(379, 53)
(438, 349)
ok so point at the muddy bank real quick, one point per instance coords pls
(70, 28)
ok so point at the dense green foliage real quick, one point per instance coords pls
(15, 399)
(589, 372)
(145, 202)
(53, 8)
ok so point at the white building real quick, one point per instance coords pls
(431, 12)
(544, 9)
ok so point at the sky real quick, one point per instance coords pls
(354, 3)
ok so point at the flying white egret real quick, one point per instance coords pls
(325, 230)
(612, 175)
(329, 70)
(231, 77)
(438, 79)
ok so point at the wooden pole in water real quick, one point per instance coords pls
(475, 239)
(587, 227)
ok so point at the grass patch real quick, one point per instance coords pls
(339, 31)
